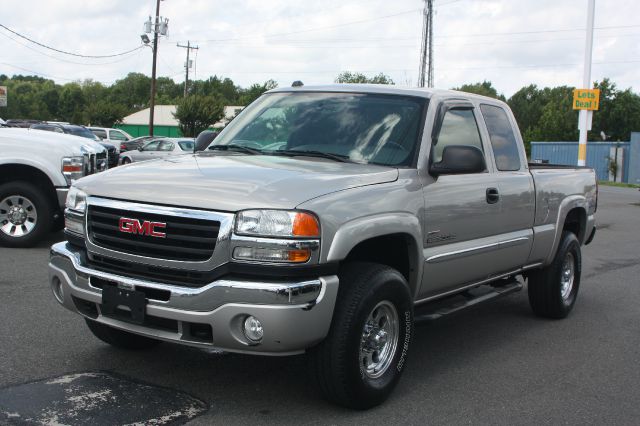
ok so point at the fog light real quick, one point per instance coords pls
(58, 292)
(253, 329)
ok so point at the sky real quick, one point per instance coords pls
(512, 43)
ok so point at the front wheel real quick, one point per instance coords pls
(126, 160)
(25, 214)
(363, 356)
(553, 290)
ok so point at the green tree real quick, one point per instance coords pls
(197, 113)
(133, 91)
(357, 77)
(255, 91)
(485, 89)
(618, 114)
(71, 103)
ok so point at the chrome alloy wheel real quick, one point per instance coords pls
(18, 216)
(567, 275)
(379, 339)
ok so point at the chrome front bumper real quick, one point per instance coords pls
(295, 314)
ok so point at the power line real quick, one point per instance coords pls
(533, 32)
(60, 59)
(362, 21)
(65, 52)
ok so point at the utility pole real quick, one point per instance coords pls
(187, 65)
(152, 101)
(584, 119)
(426, 52)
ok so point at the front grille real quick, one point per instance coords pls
(99, 162)
(187, 239)
(113, 157)
(159, 274)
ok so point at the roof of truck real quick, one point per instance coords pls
(383, 89)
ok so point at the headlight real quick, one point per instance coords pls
(76, 200)
(72, 168)
(277, 223)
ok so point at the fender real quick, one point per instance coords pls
(568, 204)
(55, 176)
(356, 231)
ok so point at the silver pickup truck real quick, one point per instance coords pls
(326, 220)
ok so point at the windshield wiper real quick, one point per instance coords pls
(234, 147)
(319, 154)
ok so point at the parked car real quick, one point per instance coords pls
(36, 170)
(82, 131)
(21, 123)
(135, 143)
(113, 136)
(325, 220)
(158, 148)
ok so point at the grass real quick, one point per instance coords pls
(618, 184)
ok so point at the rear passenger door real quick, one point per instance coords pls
(512, 178)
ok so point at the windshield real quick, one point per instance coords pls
(81, 131)
(365, 128)
(186, 145)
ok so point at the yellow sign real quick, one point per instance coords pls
(586, 99)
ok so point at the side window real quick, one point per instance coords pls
(166, 146)
(116, 136)
(459, 127)
(151, 146)
(503, 140)
(100, 133)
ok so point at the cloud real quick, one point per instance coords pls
(287, 40)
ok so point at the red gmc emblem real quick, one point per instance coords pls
(134, 226)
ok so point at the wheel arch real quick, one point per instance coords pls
(22, 172)
(392, 240)
(572, 216)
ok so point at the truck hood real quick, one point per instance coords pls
(41, 141)
(231, 182)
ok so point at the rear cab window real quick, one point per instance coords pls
(502, 137)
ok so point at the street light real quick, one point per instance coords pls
(145, 39)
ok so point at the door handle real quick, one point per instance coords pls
(493, 196)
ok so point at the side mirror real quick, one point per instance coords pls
(459, 159)
(203, 140)
(140, 148)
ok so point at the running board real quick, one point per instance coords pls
(438, 308)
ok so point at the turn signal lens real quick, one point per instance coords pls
(299, 256)
(305, 225)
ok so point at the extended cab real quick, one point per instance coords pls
(36, 170)
(326, 220)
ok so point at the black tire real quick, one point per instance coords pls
(336, 363)
(126, 160)
(119, 338)
(545, 286)
(39, 203)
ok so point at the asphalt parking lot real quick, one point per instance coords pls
(493, 364)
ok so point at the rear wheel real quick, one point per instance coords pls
(126, 160)
(553, 290)
(363, 356)
(119, 338)
(25, 214)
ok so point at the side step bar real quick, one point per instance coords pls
(438, 308)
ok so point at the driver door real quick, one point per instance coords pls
(461, 218)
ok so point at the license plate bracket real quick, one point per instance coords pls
(114, 299)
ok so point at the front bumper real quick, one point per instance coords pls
(295, 315)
